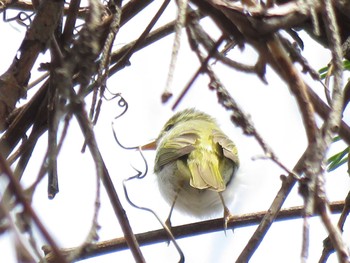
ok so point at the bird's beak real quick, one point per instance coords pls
(149, 146)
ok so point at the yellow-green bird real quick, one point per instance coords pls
(195, 161)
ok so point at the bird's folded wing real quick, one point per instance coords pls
(228, 147)
(174, 148)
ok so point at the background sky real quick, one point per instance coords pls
(273, 111)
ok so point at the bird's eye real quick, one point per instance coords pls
(169, 127)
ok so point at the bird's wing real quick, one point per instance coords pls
(228, 147)
(174, 148)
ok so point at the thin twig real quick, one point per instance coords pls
(203, 38)
(18, 193)
(330, 127)
(201, 69)
(327, 244)
(10, 225)
(305, 240)
(273, 212)
(121, 57)
(180, 22)
(104, 63)
(290, 74)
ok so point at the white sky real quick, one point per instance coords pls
(273, 110)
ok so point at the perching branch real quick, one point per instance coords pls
(183, 231)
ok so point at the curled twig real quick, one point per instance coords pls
(22, 18)
(141, 175)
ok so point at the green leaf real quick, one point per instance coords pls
(338, 159)
(323, 71)
(346, 64)
(334, 166)
(337, 138)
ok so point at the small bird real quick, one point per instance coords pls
(194, 163)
